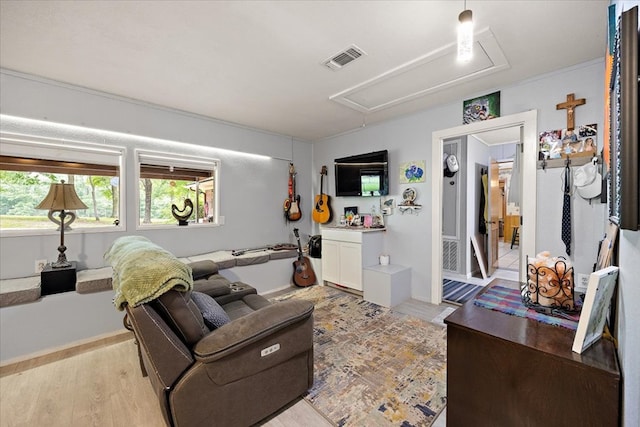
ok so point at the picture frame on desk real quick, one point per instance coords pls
(595, 308)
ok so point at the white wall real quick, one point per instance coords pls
(252, 190)
(409, 237)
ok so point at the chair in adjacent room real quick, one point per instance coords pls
(515, 236)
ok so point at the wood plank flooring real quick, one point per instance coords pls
(104, 387)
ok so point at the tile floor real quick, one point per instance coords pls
(507, 257)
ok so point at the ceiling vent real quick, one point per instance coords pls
(343, 58)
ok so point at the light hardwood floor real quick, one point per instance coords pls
(104, 387)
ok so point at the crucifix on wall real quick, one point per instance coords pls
(570, 104)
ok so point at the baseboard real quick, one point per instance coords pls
(33, 360)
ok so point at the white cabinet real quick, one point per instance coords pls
(346, 251)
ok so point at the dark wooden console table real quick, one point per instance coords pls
(505, 370)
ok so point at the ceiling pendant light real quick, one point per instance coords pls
(465, 35)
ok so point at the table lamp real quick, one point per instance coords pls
(62, 197)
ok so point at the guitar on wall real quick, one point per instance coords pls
(292, 210)
(322, 212)
(303, 274)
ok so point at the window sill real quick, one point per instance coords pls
(175, 226)
(55, 232)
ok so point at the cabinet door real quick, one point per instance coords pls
(351, 265)
(330, 261)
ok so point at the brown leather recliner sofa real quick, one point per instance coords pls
(235, 375)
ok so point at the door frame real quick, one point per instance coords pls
(528, 123)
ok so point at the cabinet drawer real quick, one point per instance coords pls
(342, 235)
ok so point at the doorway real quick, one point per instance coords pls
(480, 210)
(509, 215)
(527, 123)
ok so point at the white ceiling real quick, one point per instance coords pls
(259, 63)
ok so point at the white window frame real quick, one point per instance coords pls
(177, 160)
(21, 145)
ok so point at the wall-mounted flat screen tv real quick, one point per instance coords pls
(364, 175)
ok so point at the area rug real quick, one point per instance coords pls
(374, 366)
(458, 292)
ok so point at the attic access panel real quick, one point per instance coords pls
(429, 73)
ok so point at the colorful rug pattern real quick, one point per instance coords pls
(509, 301)
(373, 366)
(458, 292)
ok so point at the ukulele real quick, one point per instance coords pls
(292, 205)
(322, 212)
(303, 274)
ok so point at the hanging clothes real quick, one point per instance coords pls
(566, 209)
(482, 218)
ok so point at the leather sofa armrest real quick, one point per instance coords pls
(251, 329)
(203, 269)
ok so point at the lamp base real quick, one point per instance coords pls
(57, 280)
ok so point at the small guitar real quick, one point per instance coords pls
(322, 212)
(303, 274)
(293, 212)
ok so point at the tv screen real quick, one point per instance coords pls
(362, 175)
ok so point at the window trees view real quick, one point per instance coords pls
(24, 183)
(28, 167)
(161, 187)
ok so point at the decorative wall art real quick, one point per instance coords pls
(351, 215)
(387, 204)
(555, 144)
(413, 171)
(597, 302)
(624, 150)
(482, 108)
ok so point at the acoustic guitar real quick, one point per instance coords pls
(303, 274)
(322, 212)
(292, 205)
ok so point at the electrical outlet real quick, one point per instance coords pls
(40, 265)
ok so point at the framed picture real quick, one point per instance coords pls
(595, 309)
(482, 108)
(350, 212)
(624, 151)
(412, 172)
(554, 144)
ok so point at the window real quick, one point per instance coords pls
(167, 183)
(29, 165)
